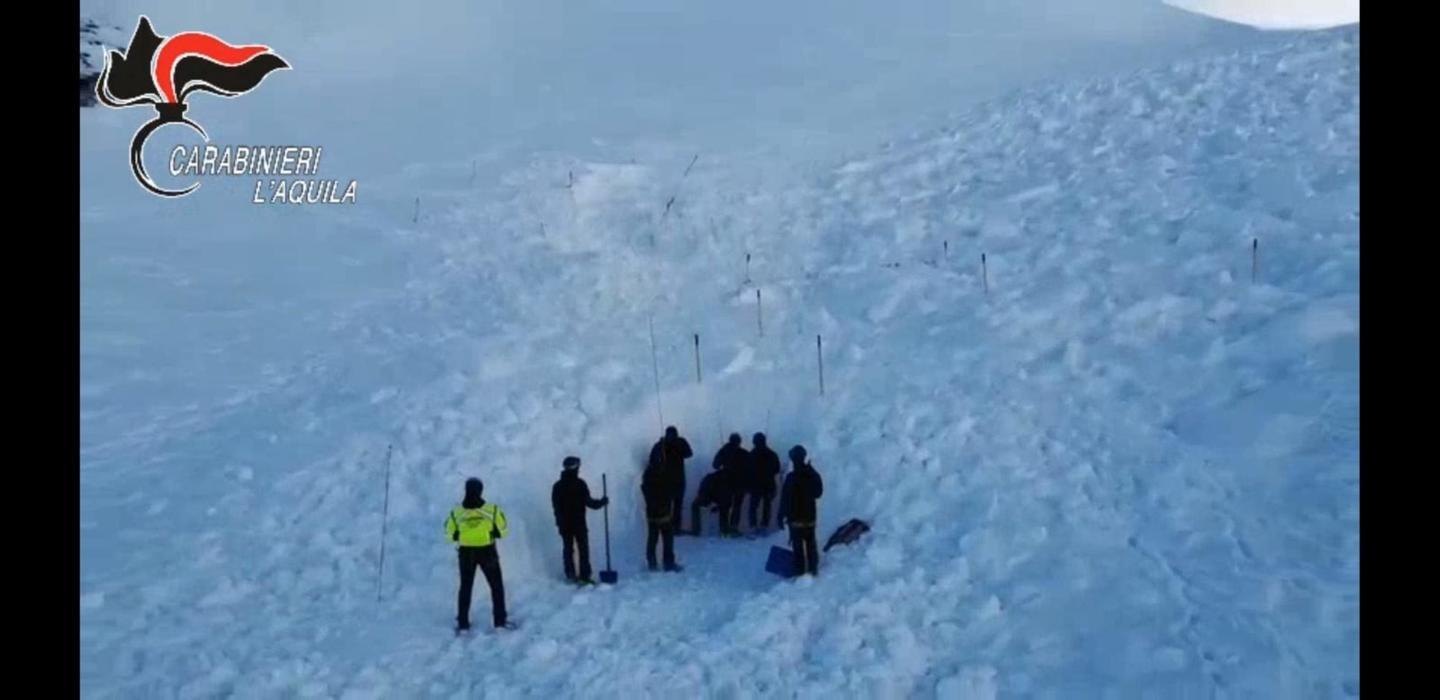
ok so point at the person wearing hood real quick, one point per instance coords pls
(475, 526)
(732, 462)
(803, 487)
(764, 468)
(569, 498)
(670, 453)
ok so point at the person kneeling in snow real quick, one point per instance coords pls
(803, 487)
(569, 498)
(474, 526)
(715, 494)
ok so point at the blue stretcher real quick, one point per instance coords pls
(781, 562)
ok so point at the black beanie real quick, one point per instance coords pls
(797, 454)
(473, 490)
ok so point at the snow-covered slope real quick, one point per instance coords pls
(1278, 14)
(1126, 469)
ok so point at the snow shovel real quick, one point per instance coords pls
(609, 575)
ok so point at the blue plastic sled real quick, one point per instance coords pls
(781, 562)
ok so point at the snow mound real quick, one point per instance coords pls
(1277, 14)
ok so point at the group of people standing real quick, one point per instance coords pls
(736, 473)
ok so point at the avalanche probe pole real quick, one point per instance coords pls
(384, 523)
(608, 575)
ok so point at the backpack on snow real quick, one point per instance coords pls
(847, 533)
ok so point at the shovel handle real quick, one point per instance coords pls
(605, 493)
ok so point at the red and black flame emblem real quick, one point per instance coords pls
(163, 71)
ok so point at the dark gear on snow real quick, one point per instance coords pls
(848, 533)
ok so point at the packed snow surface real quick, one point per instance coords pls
(1118, 460)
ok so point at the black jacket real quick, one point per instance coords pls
(765, 466)
(569, 498)
(802, 488)
(658, 486)
(715, 489)
(733, 462)
(671, 454)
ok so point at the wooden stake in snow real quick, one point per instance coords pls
(820, 363)
(384, 525)
(1254, 259)
(984, 273)
(759, 314)
(697, 358)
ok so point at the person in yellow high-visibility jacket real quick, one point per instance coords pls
(474, 526)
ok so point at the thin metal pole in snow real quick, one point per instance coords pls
(820, 362)
(384, 525)
(416, 218)
(984, 273)
(747, 268)
(1254, 259)
(697, 358)
(655, 361)
(759, 314)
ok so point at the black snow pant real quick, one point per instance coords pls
(696, 517)
(807, 555)
(488, 560)
(578, 539)
(661, 530)
(756, 499)
(677, 509)
(737, 504)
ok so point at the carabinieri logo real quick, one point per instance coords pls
(163, 71)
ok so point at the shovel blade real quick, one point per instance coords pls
(609, 577)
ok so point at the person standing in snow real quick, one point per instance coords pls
(670, 453)
(714, 494)
(803, 487)
(733, 464)
(764, 468)
(657, 485)
(569, 498)
(475, 526)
